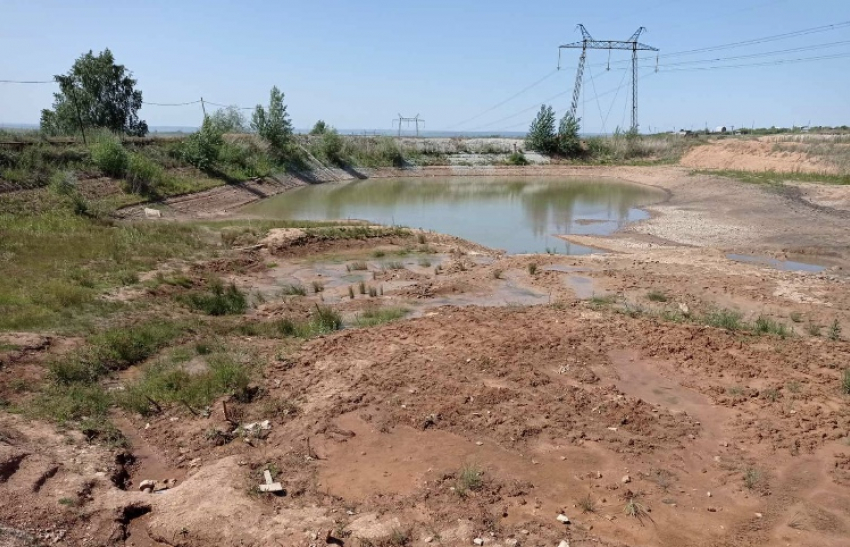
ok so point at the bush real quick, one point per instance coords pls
(331, 146)
(63, 183)
(243, 159)
(110, 157)
(517, 158)
(143, 175)
(201, 149)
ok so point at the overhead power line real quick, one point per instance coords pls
(27, 82)
(764, 63)
(743, 43)
(756, 55)
(146, 103)
(512, 97)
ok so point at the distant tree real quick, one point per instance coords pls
(99, 93)
(320, 128)
(229, 120)
(569, 143)
(273, 124)
(541, 135)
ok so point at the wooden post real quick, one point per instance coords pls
(204, 108)
(77, 108)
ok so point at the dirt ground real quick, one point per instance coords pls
(756, 155)
(586, 386)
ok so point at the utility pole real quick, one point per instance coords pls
(401, 119)
(588, 42)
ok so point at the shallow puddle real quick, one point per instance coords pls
(785, 265)
(582, 286)
(565, 269)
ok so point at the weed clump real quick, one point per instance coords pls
(765, 325)
(168, 382)
(220, 300)
(724, 319)
(293, 290)
(532, 268)
(845, 382)
(657, 296)
(835, 331)
(470, 478)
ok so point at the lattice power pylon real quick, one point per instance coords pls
(588, 42)
(401, 119)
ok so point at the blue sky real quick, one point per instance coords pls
(357, 64)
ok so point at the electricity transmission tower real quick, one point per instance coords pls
(401, 119)
(588, 42)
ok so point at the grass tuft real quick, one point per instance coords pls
(470, 478)
(657, 296)
(377, 316)
(219, 300)
(293, 290)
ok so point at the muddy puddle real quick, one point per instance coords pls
(777, 264)
(516, 214)
(581, 285)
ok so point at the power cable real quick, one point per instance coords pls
(512, 97)
(755, 41)
(598, 104)
(756, 55)
(169, 104)
(766, 63)
(27, 82)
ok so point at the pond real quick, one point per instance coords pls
(516, 214)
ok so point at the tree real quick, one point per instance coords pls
(96, 92)
(229, 120)
(273, 125)
(320, 128)
(569, 143)
(541, 135)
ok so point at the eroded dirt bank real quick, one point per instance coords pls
(658, 394)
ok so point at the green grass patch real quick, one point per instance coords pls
(724, 319)
(55, 264)
(167, 382)
(772, 178)
(765, 325)
(377, 316)
(113, 349)
(217, 300)
(323, 320)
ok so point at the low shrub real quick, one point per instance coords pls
(110, 157)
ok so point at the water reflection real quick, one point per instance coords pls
(515, 214)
